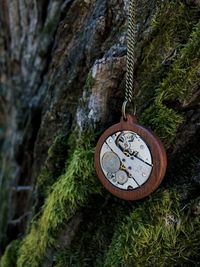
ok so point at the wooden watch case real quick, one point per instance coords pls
(158, 154)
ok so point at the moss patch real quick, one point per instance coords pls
(54, 165)
(68, 194)
(176, 82)
(164, 121)
(157, 233)
(163, 230)
(184, 74)
(171, 27)
(99, 223)
(9, 258)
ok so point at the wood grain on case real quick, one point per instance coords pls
(158, 155)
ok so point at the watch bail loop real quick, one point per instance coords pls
(124, 107)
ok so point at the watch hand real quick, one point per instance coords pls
(144, 161)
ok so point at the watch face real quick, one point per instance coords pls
(130, 160)
(126, 160)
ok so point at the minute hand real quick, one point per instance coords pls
(137, 168)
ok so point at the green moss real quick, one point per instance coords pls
(9, 258)
(174, 82)
(54, 165)
(171, 27)
(157, 233)
(121, 234)
(69, 193)
(184, 74)
(95, 233)
(164, 121)
(44, 181)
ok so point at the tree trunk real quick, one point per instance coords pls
(62, 74)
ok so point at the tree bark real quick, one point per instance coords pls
(62, 74)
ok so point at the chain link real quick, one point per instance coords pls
(131, 43)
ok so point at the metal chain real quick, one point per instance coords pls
(131, 43)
